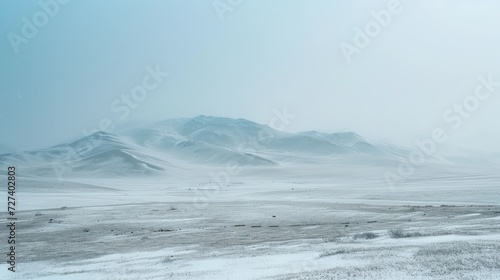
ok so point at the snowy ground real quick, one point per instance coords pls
(434, 227)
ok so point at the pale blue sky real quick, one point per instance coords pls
(263, 55)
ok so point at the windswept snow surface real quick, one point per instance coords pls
(294, 228)
(216, 198)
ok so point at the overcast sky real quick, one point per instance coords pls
(65, 67)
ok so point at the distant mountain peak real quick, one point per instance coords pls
(212, 119)
(101, 134)
(204, 140)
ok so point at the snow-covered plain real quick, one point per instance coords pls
(259, 229)
(134, 208)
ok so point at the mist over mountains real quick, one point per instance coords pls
(181, 145)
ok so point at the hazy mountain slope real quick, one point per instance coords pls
(101, 153)
(177, 145)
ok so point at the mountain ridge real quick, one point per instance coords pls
(179, 144)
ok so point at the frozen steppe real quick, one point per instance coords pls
(296, 228)
(216, 198)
